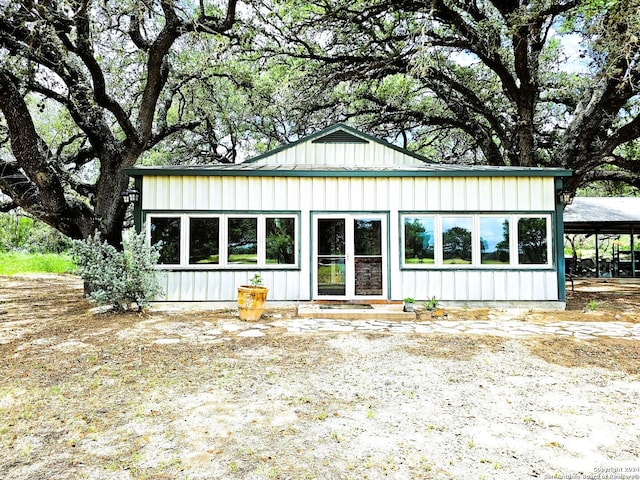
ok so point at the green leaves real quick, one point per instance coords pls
(118, 278)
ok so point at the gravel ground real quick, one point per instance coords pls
(104, 397)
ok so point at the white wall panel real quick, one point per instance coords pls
(357, 201)
(201, 194)
(498, 194)
(308, 153)
(388, 194)
(175, 192)
(472, 190)
(215, 194)
(357, 193)
(484, 193)
(407, 193)
(446, 193)
(499, 286)
(433, 194)
(473, 285)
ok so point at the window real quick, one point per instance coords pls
(193, 241)
(204, 241)
(456, 240)
(494, 240)
(532, 241)
(281, 241)
(476, 241)
(165, 232)
(419, 240)
(243, 241)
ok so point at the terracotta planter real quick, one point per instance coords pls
(251, 301)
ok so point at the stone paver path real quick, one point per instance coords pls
(508, 328)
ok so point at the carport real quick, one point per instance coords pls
(614, 220)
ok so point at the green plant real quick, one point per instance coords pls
(591, 306)
(431, 304)
(256, 280)
(409, 300)
(118, 278)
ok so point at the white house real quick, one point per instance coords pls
(341, 215)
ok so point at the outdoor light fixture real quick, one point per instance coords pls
(130, 195)
(565, 197)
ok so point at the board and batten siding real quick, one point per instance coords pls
(390, 195)
(354, 154)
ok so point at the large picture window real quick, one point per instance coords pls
(194, 241)
(475, 241)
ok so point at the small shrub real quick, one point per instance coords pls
(118, 278)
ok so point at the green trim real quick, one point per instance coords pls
(253, 268)
(558, 237)
(137, 207)
(179, 212)
(475, 268)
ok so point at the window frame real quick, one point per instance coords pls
(476, 262)
(223, 226)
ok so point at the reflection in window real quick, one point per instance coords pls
(281, 240)
(532, 241)
(367, 237)
(204, 240)
(419, 240)
(456, 240)
(494, 240)
(165, 232)
(331, 236)
(243, 241)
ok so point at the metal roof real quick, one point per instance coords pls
(602, 215)
(292, 170)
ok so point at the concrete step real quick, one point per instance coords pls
(355, 312)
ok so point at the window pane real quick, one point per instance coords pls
(243, 241)
(494, 240)
(419, 240)
(331, 276)
(165, 232)
(367, 237)
(281, 241)
(204, 240)
(532, 241)
(331, 236)
(456, 240)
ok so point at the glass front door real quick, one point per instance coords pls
(350, 253)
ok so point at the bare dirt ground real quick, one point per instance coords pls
(183, 396)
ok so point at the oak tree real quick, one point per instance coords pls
(86, 88)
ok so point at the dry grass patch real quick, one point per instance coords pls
(609, 353)
(454, 347)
